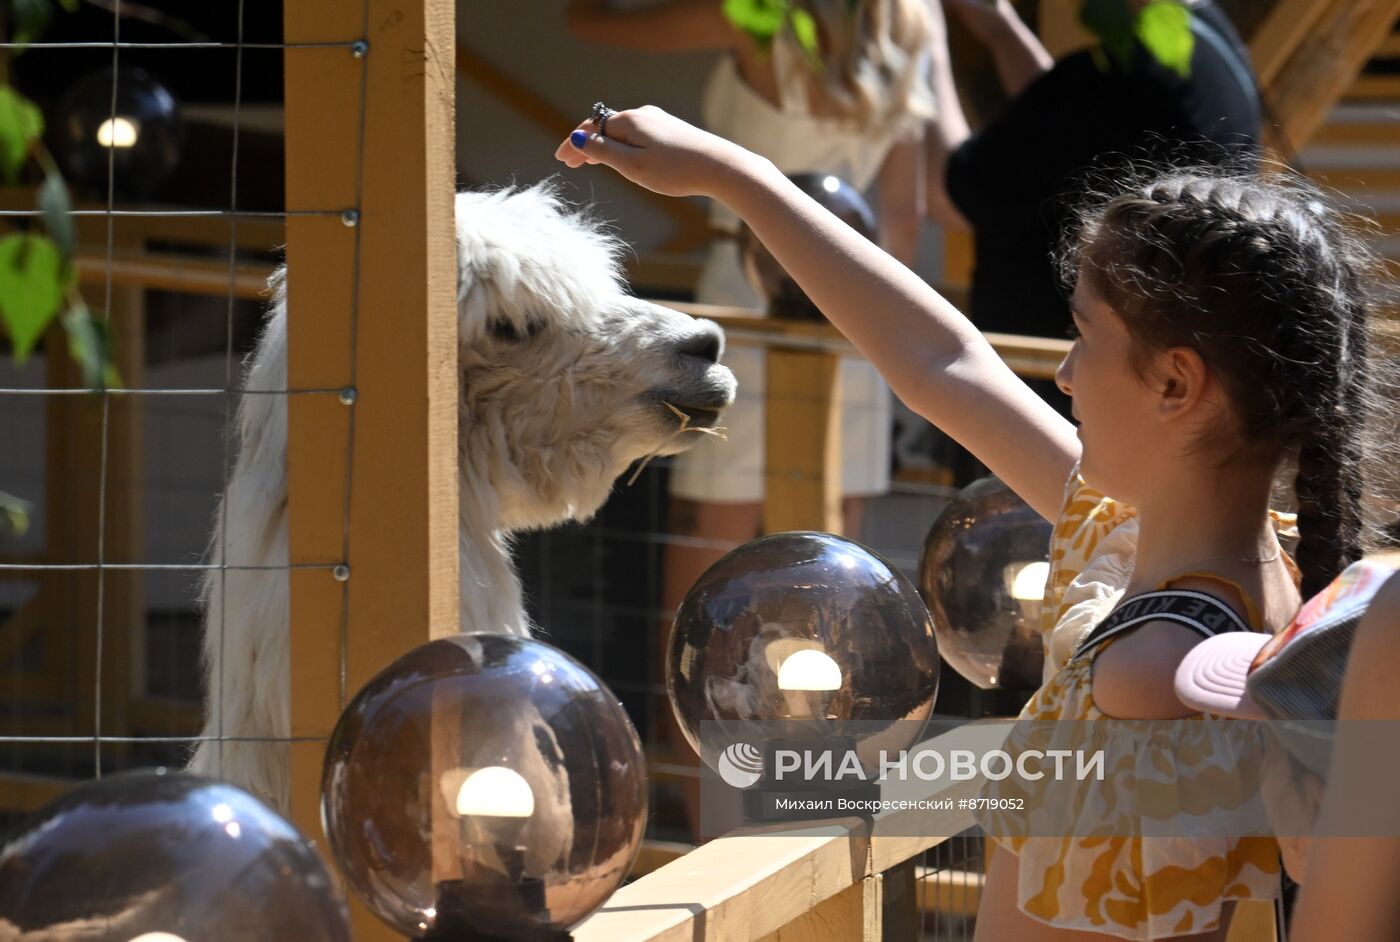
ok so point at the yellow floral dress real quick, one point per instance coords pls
(1125, 880)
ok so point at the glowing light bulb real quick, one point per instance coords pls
(118, 132)
(157, 937)
(809, 669)
(831, 184)
(497, 792)
(222, 813)
(1029, 582)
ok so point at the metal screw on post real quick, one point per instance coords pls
(347, 396)
(351, 217)
(341, 573)
(358, 48)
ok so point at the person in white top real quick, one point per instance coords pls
(855, 110)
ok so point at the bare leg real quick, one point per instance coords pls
(726, 525)
(999, 919)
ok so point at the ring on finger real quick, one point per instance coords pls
(599, 117)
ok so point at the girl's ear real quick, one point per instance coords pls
(1183, 381)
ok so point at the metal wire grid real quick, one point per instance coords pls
(229, 391)
(598, 613)
(949, 881)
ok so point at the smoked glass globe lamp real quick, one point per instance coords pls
(983, 572)
(484, 787)
(158, 856)
(806, 632)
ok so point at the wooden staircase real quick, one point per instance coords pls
(1357, 150)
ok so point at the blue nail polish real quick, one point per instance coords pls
(579, 138)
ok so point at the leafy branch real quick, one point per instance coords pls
(1162, 26)
(38, 278)
(763, 20)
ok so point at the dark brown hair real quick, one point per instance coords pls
(1273, 288)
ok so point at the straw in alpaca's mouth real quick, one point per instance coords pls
(684, 414)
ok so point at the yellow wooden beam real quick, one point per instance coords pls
(24, 793)
(371, 305)
(1374, 88)
(1029, 357)
(163, 272)
(802, 441)
(95, 500)
(853, 914)
(1280, 34)
(1324, 65)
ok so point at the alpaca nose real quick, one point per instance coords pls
(704, 344)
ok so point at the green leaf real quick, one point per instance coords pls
(1164, 27)
(31, 19)
(69, 6)
(21, 123)
(760, 20)
(57, 207)
(1112, 23)
(804, 29)
(90, 346)
(14, 516)
(33, 282)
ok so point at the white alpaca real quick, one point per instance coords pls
(565, 381)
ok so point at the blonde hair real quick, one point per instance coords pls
(874, 54)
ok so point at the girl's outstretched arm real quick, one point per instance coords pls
(931, 355)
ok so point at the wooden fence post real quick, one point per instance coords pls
(371, 304)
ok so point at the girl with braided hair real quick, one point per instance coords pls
(1221, 330)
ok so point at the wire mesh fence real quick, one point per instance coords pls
(103, 598)
(167, 130)
(949, 881)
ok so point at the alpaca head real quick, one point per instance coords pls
(565, 378)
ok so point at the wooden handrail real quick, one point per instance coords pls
(162, 272)
(1029, 357)
(753, 882)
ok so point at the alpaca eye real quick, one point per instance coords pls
(507, 331)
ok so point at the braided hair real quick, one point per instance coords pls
(1272, 288)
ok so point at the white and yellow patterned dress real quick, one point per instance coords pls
(1125, 881)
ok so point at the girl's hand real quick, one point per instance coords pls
(658, 151)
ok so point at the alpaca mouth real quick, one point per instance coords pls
(695, 408)
(698, 416)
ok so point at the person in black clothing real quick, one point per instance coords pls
(1014, 181)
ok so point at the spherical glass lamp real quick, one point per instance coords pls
(140, 136)
(163, 857)
(803, 630)
(983, 573)
(484, 787)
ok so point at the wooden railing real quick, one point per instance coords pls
(825, 882)
(802, 444)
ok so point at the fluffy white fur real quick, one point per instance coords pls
(565, 381)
